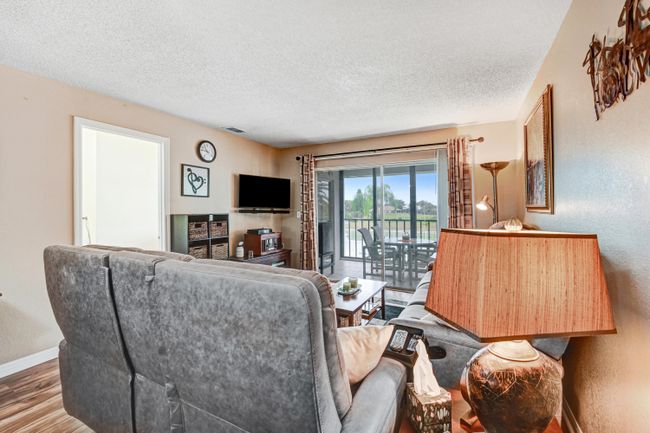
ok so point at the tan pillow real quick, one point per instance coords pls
(362, 347)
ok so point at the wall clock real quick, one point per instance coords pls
(206, 151)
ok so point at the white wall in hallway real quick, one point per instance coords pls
(121, 190)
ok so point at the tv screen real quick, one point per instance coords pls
(264, 192)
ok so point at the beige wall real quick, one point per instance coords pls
(602, 186)
(500, 144)
(36, 158)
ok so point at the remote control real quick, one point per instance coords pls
(412, 343)
(399, 340)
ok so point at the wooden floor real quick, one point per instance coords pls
(30, 402)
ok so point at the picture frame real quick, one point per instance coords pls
(195, 181)
(538, 155)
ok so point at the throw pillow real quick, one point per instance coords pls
(362, 347)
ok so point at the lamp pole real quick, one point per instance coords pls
(494, 168)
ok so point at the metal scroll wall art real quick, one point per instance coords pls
(617, 70)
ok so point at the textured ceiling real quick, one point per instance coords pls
(292, 72)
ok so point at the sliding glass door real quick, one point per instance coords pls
(408, 220)
(382, 220)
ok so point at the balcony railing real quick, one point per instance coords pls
(353, 242)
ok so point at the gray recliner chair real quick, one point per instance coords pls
(208, 346)
(95, 372)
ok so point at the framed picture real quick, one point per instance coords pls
(538, 155)
(195, 181)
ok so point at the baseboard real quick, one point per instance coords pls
(28, 361)
(569, 421)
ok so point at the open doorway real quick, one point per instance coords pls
(121, 193)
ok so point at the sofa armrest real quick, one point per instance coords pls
(376, 404)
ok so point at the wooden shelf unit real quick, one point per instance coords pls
(204, 236)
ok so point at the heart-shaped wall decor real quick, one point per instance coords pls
(196, 181)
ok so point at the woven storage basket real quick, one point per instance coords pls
(198, 230)
(220, 251)
(199, 251)
(218, 229)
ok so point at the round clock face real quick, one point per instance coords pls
(207, 151)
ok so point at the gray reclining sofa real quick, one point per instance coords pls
(158, 342)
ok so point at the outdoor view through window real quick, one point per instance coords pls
(351, 203)
(410, 197)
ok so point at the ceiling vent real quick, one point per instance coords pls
(235, 130)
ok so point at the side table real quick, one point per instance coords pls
(349, 309)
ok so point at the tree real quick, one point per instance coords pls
(361, 206)
(427, 208)
(357, 208)
(398, 204)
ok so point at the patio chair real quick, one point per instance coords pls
(424, 254)
(379, 232)
(376, 254)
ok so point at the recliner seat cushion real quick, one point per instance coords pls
(94, 391)
(339, 380)
(163, 254)
(258, 335)
(95, 371)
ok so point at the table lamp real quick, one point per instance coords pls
(505, 287)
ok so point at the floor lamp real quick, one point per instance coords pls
(484, 204)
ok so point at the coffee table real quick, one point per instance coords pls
(349, 309)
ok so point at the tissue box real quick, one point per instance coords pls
(428, 414)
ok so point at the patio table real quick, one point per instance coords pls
(408, 248)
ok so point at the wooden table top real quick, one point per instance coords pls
(351, 304)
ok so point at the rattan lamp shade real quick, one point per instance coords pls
(498, 285)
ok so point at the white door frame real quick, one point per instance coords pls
(164, 198)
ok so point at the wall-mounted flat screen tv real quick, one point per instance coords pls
(258, 192)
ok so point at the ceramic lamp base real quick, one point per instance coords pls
(512, 388)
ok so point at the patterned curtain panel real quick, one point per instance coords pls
(308, 213)
(459, 171)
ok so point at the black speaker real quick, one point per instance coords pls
(325, 238)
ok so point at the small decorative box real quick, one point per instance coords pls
(429, 414)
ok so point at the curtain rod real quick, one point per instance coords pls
(382, 151)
